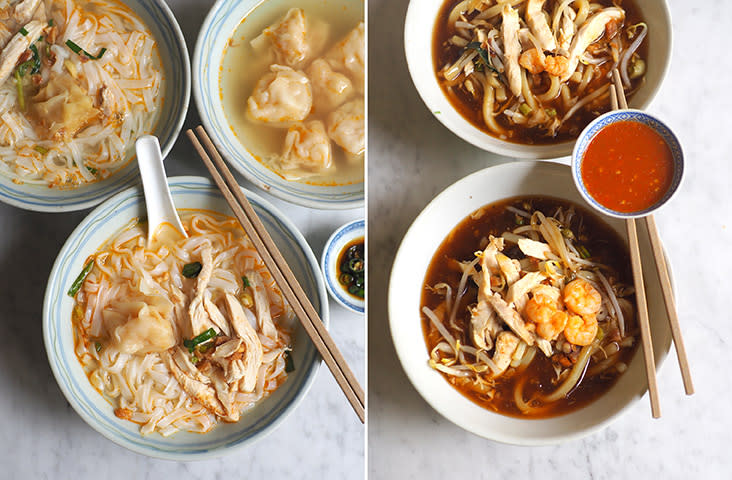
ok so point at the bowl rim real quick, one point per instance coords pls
(241, 167)
(32, 204)
(393, 303)
(631, 115)
(489, 143)
(218, 450)
(348, 231)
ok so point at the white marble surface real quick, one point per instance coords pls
(42, 437)
(412, 157)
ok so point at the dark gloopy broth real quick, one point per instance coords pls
(461, 244)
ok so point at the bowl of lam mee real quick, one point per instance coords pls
(512, 308)
(280, 89)
(79, 82)
(185, 350)
(523, 78)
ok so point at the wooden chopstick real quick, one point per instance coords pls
(663, 275)
(668, 299)
(617, 97)
(277, 266)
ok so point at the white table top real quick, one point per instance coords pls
(412, 157)
(43, 437)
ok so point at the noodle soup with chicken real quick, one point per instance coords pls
(528, 308)
(537, 71)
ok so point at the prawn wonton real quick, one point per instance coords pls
(292, 85)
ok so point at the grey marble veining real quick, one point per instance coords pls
(412, 157)
(42, 436)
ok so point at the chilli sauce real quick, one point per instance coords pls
(628, 167)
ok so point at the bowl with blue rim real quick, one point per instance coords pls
(103, 223)
(175, 65)
(343, 264)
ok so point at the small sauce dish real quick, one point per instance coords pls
(344, 267)
(627, 164)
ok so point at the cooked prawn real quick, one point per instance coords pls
(550, 330)
(581, 297)
(543, 311)
(581, 330)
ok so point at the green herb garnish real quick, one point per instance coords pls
(50, 23)
(584, 253)
(40, 149)
(92, 170)
(245, 282)
(98, 347)
(191, 270)
(80, 279)
(19, 85)
(78, 50)
(199, 339)
(24, 32)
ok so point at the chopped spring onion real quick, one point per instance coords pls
(80, 279)
(40, 149)
(24, 32)
(584, 253)
(98, 347)
(92, 170)
(191, 270)
(78, 50)
(19, 84)
(524, 109)
(50, 23)
(567, 233)
(245, 282)
(199, 339)
(552, 112)
(194, 359)
(289, 363)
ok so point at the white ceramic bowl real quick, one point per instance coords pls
(176, 67)
(220, 24)
(101, 224)
(418, 33)
(589, 133)
(329, 263)
(406, 286)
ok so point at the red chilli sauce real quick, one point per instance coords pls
(628, 167)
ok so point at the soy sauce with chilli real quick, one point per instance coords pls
(352, 268)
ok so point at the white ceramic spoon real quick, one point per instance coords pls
(160, 208)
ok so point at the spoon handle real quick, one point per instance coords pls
(160, 207)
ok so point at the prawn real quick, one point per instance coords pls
(581, 330)
(543, 311)
(582, 298)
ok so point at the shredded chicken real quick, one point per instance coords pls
(512, 48)
(539, 26)
(588, 33)
(17, 46)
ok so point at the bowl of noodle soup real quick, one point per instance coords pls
(99, 75)
(287, 153)
(72, 357)
(456, 50)
(494, 413)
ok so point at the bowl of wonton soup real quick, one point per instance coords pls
(97, 179)
(105, 223)
(312, 152)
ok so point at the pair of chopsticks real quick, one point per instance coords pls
(279, 269)
(617, 100)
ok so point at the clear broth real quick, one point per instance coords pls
(242, 67)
